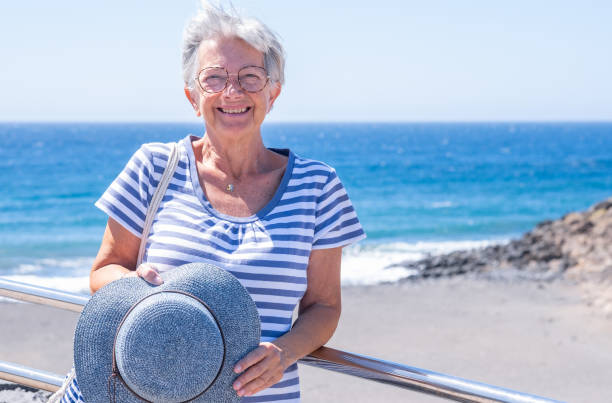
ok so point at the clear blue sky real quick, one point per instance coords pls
(434, 60)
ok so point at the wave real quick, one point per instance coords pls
(442, 204)
(368, 264)
(48, 265)
(65, 274)
(75, 285)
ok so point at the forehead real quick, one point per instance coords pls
(231, 53)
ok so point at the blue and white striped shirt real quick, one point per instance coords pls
(268, 252)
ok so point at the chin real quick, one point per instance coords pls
(234, 129)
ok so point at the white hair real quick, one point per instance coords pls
(214, 22)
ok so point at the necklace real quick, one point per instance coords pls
(230, 188)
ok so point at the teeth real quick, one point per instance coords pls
(234, 110)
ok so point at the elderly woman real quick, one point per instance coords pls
(273, 219)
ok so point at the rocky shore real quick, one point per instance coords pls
(576, 247)
(12, 393)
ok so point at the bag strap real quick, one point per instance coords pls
(59, 394)
(151, 211)
(160, 191)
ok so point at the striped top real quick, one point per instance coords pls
(268, 252)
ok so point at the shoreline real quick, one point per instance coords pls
(514, 334)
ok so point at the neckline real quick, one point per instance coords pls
(199, 192)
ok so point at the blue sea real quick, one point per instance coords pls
(418, 188)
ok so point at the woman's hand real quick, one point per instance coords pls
(261, 368)
(318, 317)
(147, 272)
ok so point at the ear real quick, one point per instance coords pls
(193, 98)
(275, 90)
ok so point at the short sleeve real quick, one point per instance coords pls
(336, 222)
(127, 198)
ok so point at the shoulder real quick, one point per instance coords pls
(307, 167)
(154, 154)
(311, 177)
(156, 150)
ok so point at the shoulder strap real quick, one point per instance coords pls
(61, 392)
(160, 191)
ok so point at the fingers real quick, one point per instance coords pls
(262, 368)
(149, 274)
(259, 377)
(250, 359)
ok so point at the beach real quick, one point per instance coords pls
(535, 337)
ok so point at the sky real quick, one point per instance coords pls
(385, 60)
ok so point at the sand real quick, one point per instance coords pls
(536, 338)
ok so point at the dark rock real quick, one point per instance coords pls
(605, 205)
(576, 245)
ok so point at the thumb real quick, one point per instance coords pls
(149, 274)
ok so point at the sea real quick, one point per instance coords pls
(419, 189)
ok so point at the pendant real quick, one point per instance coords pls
(229, 188)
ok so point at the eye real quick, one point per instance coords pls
(215, 77)
(251, 77)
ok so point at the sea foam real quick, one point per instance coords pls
(368, 263)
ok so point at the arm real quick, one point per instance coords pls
(117, 257)
(319, 313)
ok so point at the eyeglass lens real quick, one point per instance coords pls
(250, 78)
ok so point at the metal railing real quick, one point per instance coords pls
(391, 373)
(34, 378)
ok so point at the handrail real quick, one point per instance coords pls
(42, 295)
(395, 374)
(31, 377)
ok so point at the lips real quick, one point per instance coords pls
(234, 111)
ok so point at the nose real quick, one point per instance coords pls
(233, 86)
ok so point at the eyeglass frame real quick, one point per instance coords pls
(227, 79)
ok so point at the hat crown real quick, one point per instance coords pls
(162, 343)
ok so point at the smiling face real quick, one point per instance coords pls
(233, 111)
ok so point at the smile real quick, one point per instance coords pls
(234, 111)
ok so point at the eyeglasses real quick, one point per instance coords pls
(215, 79)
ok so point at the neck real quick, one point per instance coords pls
(236, 158)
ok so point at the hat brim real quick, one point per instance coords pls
(221, 291)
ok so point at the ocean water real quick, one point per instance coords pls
(418, 188)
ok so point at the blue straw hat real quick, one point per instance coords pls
(175, 342)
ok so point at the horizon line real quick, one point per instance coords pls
(152, 122)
